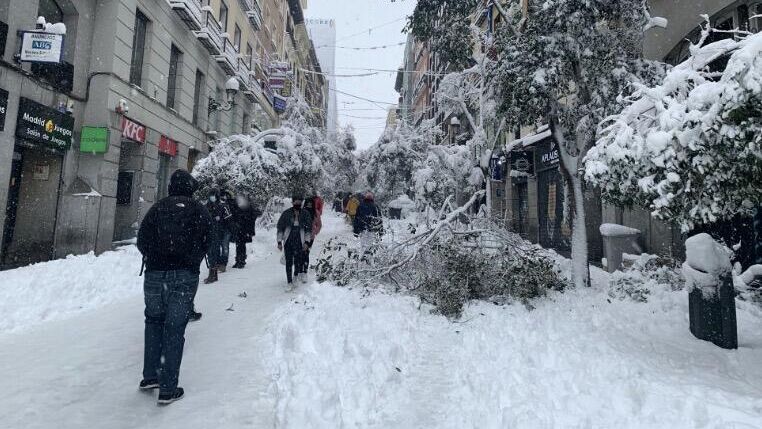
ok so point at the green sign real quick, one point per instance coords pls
(94, 140)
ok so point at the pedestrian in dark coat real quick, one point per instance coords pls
(222, 223)
(245, 220)
(173, 238)
(294, 237)
(368, 224)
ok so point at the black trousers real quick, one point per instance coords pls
(240, 251)
(294, 261)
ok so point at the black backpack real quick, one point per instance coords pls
(176, 228)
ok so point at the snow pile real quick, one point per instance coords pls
(689, 148)
(56, 289)
(705, 262)
(344, 358)
(614, 230)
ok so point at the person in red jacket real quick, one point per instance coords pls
(314, 205)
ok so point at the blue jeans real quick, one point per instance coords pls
(219, 247)
(169, 302)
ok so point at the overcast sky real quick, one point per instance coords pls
(365, 23)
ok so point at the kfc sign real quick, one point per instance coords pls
(133, 131)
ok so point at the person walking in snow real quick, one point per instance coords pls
(352, 205)
(314, 205)
(244, 221)
(368, 224)
(173, 238)
(221, 223)
(294, 238)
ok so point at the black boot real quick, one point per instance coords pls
(212, 276)
(195, 316)
(239, 265)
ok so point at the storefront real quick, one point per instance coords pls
(130, 178)
(43, 135)
(167, 163)
(554, 219)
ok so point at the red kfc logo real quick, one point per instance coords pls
(133, 131)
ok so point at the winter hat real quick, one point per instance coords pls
(369, 196)
(182, 184)
(297, 196)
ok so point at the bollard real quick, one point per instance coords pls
(618, 239)
(711, 298)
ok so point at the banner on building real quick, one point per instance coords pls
(279, 103)
(547, 155)
(132, 130)
(41, 47)
(39, 123)
(288, 89)
(94, 140)
(167, 146)
(3, 107)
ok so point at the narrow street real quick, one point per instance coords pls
(83, 372)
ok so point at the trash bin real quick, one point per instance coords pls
(395, 213)
(711, 299)
(617, 240)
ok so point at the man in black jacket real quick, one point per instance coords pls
(173, 238)
(222, 224)
(245, 220)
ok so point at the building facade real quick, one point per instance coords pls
(87, 143)
(322, 32)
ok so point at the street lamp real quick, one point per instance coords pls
(231, 89)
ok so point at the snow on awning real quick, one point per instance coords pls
(542, 134)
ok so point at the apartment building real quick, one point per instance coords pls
(89, 137)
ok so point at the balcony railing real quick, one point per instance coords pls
(189, 12)
(228, 57)
(210, 34)
(255, 15)
(247, 77)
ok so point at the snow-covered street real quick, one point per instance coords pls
(81, 370)
(328, 357)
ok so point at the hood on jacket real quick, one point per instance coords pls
(182, 184)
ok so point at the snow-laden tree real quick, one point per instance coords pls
(389, 165)
(689, 148)
(340, 161)
(444, 172)
(564, 62)
(444, 24)
(470, 94)
(242, 163)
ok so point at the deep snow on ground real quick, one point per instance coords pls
(349, 358)
(71, 346)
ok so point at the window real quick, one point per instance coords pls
(237, 38)
(743, 17)
(51, 11)
(138, 48)
(193, 156)
(224, 16)
(250, 56)
(218, 114)
(173, 81)
(162, 176)
(246, 129)
(197, 97)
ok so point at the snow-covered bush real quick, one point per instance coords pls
(647, 274)
(690, 148)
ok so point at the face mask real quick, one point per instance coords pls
(242, 203)
(297, 206)
(213, 199)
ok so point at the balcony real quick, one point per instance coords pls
(189, 12)
(255, 15)
(210, 34)
(228, 57)
(249, 84)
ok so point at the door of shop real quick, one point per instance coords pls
(555, 232)
(28, 236)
